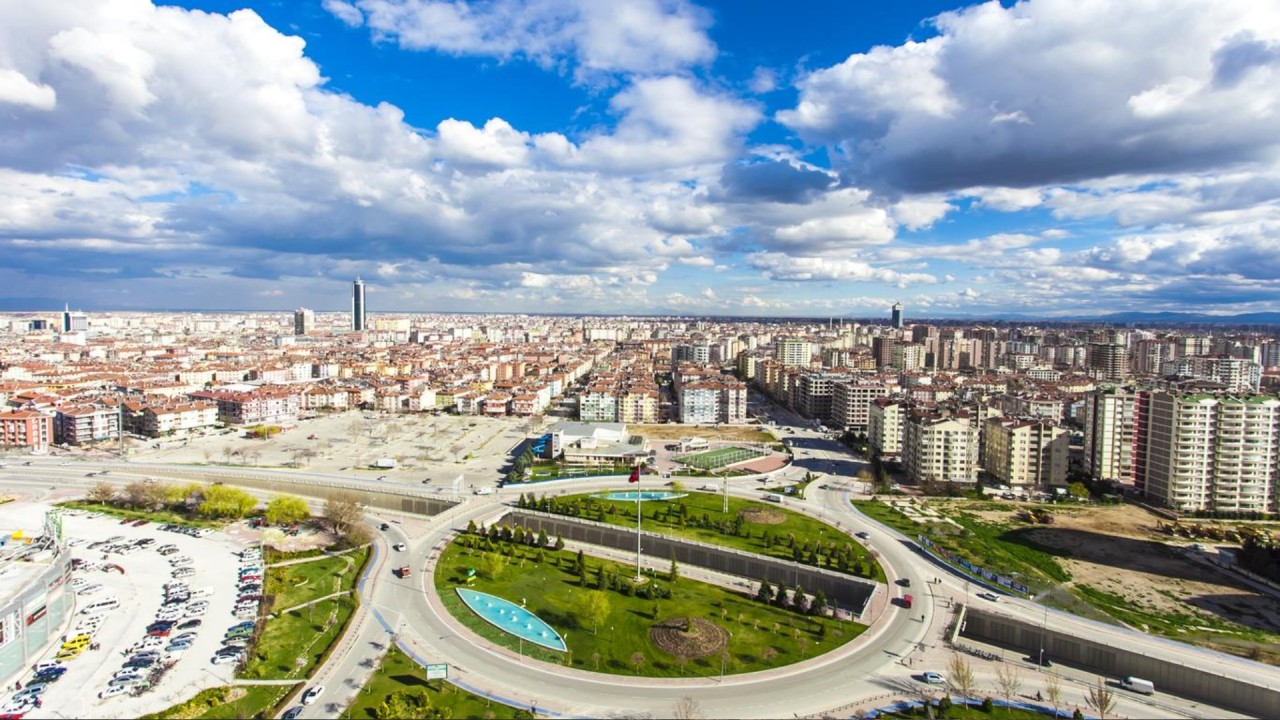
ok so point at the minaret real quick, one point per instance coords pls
(357, 305)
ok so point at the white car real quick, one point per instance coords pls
(150, 643)
(399, 547)
(311, 694)
(113, 691)
(89, 589)
(18, 707)
(934, 678)
(127, 679)
(180, 561)
(42, 666)
(227, 658)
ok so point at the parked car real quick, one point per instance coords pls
(188, 624)
(112, 692)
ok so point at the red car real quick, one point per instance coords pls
(160, 632)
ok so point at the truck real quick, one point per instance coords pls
(1138, 685)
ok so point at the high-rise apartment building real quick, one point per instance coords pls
(794, 352)
(882, 350)
(938, 448)
(1238, 375)
(1108, 361)
(851, 402)
(1109, 434)
(1025, 451)
(885, 425)
(1209, 452)
(304, 321)
(357, 306)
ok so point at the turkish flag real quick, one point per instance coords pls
(635, 474)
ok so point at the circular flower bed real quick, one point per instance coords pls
(689, 637)
(762, 516)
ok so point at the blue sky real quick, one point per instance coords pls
(1062, 157)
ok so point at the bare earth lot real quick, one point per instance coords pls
(743, 433)
(1116, 549)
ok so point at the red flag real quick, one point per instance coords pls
(635, 474)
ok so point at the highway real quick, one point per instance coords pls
(877, 665)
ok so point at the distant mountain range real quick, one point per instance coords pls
(39, 304)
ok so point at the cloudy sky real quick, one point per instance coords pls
(647, 156)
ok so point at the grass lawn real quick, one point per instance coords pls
(292, 585)
(961, 712)
(399, 673)
(245, 701)
(305, 633)
(160, 517)
(698, 516)
(1002, 549)
(760, 636)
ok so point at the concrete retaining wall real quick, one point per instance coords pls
(844, 590)
(389, 499)
(1201, 681)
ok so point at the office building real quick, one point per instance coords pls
(74, 322)
(895, 318)
(304, 321)
(357, 306)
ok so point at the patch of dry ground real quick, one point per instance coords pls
(1116, 548)
(741, 433)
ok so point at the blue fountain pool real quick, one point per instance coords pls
(644, 495)
(509, 617)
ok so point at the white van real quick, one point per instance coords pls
(100, 606)
(773, 497)
(1138, 685)
(484, 491)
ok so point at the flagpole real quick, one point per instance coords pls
(638, 516)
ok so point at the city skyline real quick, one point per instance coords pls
(662, 158)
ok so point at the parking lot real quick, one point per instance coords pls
(136, 579)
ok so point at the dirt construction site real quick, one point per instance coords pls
(1117, 549)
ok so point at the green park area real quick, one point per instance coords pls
(227, 702)
(295, 583)
(1005, 550)
(749, 525)
(400, 689)
(664, 626)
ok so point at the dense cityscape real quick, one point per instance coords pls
(488, 359)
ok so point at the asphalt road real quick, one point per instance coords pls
(879, 664)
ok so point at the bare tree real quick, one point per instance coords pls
(135, 494)
(686, 708)
(343, 511)
(595, 659)
(637, 660)
(101, 492)
(960, 676)
(1008, 682)
(1053, 691)
(1100, 699)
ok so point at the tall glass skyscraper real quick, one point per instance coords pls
(357, 305)
(896, 318)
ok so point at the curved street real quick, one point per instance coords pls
(876, 668)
